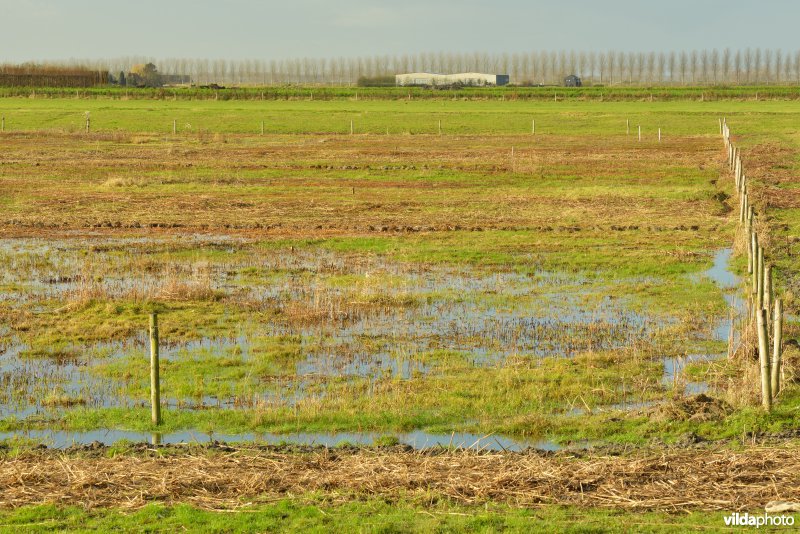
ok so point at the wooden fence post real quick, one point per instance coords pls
(742, 203)
(763, 355)
(174, 126)
(627, 126)
(777, 347)
(760, 280)
(768, 291)
(533, 126)
(351, 127)
(262, 127)
(155, 382)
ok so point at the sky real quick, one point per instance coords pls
(251, 29)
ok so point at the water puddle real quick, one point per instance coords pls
(729, 282)
(356, 318)
(418, 439)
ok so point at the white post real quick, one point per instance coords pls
(533, 126)
(659, 135)
(640, 132)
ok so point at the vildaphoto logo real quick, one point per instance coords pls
(758, 521)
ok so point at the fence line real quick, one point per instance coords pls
(761, 298)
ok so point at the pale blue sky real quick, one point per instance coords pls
(239, 29)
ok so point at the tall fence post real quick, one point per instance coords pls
(640, 132)
(155, 382)
(742, 204)
(760, 280)
(777, 347)
(768, 291)
(174, 126)
(763, 356)
(533, 126)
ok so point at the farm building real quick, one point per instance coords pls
(464, 78)
(572, 81)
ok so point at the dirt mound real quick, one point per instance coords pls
(696, 408)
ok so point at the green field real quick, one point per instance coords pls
(369, 516)
(561, 288)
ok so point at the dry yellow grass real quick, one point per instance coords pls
(667, 479)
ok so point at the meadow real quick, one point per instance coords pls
(441, 276)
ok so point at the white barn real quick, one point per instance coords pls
(464, 78)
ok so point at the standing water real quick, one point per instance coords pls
(728, 281)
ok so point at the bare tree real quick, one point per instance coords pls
(684, 66)
(661, 65)
(713, 65)
(583, 63)
(553, 66)
(748, 64)
(726, 65)
(693, 65)
(757, 64)
(797, 67)
(705, 66)
(768, 66)
(629, 66)
(672, 66)
(531, 66)
(602, 66)
(592, 59)
(611, 62)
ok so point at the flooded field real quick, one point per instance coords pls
(428, 290)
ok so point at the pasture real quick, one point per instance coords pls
(473, 283)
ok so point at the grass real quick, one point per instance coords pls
(309, 280)
(314, 514)
(203, 119)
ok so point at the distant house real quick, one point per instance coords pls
(428, 79)
(572, 81)
(147, 75)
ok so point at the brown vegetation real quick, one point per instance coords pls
(340, 185)
(695, 478)
(32, 75)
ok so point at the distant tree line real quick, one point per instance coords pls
(31, 75)
(751, 66)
